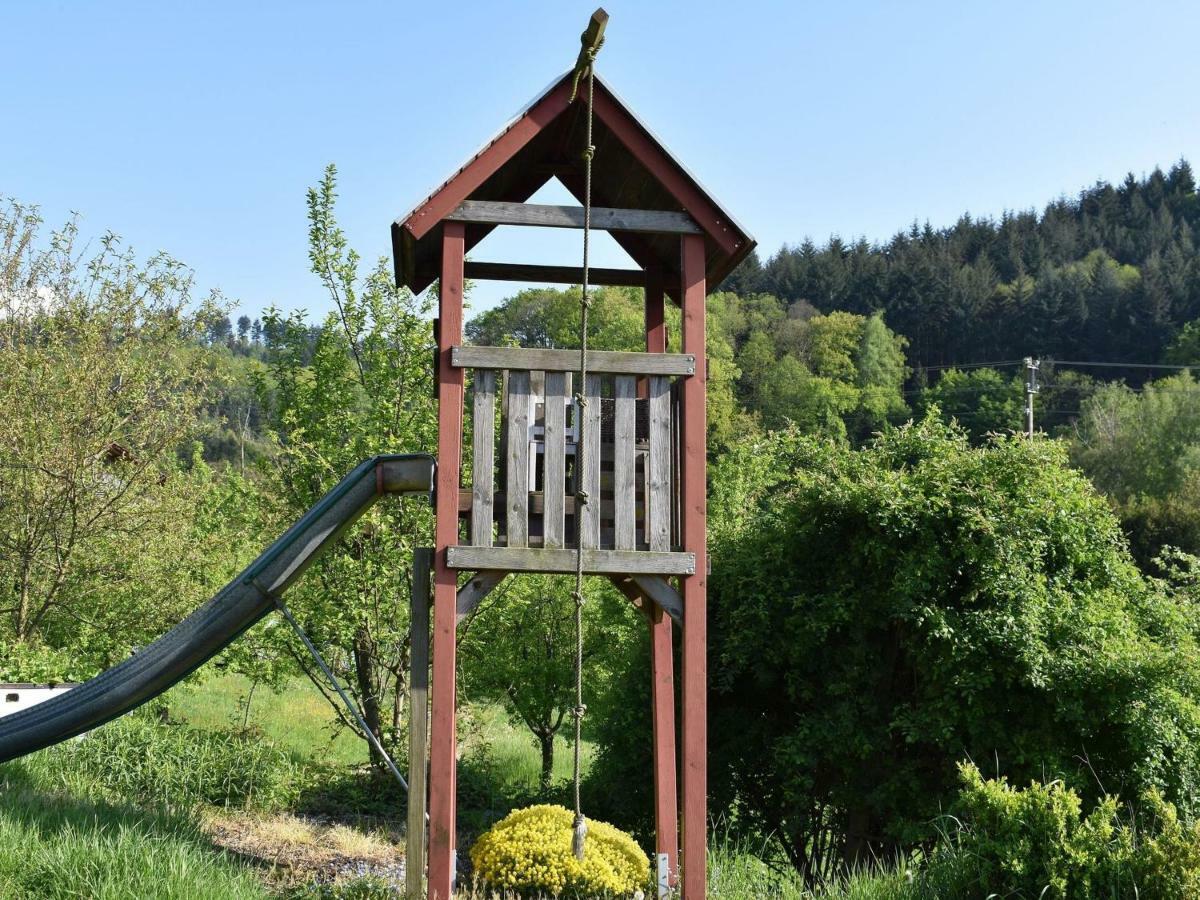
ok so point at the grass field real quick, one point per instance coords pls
(86, 820)
(57, 842)
(297, 718)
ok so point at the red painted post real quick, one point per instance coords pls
(662, 663)
(694, 515)
(442, 805)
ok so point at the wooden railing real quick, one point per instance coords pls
(524, 472)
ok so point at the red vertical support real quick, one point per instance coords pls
(693, 524)
(442, 806)
(662, 663)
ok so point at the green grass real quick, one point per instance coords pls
(296, 718)
(54, 844)
(114, 816)
(512, 752)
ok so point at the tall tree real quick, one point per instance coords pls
(101, 379)
(359, 385)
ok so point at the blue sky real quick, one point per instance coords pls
(195, 128)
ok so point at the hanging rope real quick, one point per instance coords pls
(584, 67)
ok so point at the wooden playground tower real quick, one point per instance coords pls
(643, 524)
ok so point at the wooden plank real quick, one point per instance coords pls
(595, 562)
(658, 504)
(494, 271)
(588, 526)
(418, 721)
(694, 693)
(658, 589)
(443, 737)
(601, 362)
(554, 500)
(484, 458)
(516, 415)
(605, 218)
(625, 462)
(471, 594)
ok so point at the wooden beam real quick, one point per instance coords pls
(662, 653)
(595, 562)
(443, 736)
(693, 516)
(600, 362)
(494, 271)
(606, 218)
(658, 589)
(418, 722)
(471, 594)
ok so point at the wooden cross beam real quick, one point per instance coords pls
(471, 594)
(651, 221)
(495, 271)
(600, 362)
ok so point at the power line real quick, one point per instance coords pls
(979, 365)
(1119, 365)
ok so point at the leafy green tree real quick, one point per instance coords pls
(101, 380)
(983, 401)
(1145, 442)
(358, 386)
(549, 317)
(877, 615)
(1185, 348)
(519, 649)
(1143, 450)
(839, 374)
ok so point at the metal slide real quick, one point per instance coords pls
(242, 602)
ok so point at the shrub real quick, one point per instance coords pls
(1036, 842)
(529, 853)
(877, 615)
(25, 661)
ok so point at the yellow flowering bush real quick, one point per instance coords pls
(528, 852)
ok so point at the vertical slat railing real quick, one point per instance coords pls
(483, 460)
(624, 462)
(555, 453)
(658, 503)
(589, 476)
(516, 413)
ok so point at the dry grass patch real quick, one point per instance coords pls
(299, 850)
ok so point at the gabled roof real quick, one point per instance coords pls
(631, 169)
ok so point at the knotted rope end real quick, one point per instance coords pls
(578, 837)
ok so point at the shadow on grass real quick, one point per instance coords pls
(36, 807)
(366, 796)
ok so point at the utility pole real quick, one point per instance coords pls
(1031, 388)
